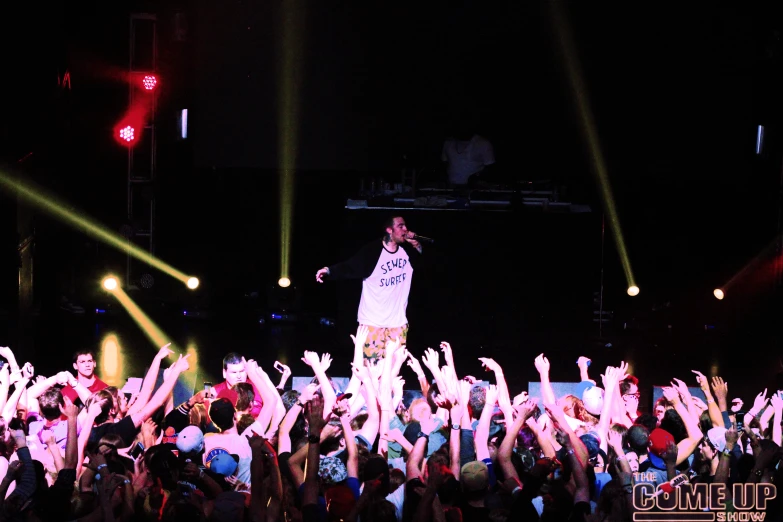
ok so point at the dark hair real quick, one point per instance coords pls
(49, 403)
(478, 398)
(626, 383)
(638, 438)
(389, 221)
(289, 398)
(673, 423)
(245, 395)
(231, 358)
(647, 420)
(77, 354)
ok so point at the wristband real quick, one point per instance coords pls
(300, 403)
(126, 481)
(314, 439)
(100, 466)
(710, 401)
(570, 452)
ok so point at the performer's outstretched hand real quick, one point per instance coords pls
(319, 276)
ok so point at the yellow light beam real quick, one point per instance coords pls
(112, 368)
(37, 197)
(590, 133)
(147, 325)
(290, 74)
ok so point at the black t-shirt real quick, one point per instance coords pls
(125, 429)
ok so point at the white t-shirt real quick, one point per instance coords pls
(466, 158)
(385, 293)
(233, 444)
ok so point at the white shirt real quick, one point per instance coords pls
(233, 444)
(385, 293)
(466, 158)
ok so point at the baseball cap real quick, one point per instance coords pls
(474, 476)
(231, 395)
(221, 411)
(332, 470)
(342, 396)
(717, 437)
(190, 439)
(593, 400)
(224, 464)
(659, 438)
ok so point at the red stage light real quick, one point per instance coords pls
(150, 81)
(127, 134)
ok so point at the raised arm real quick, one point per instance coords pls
(504, 399)
(547, 394)
(712, 407)
(150, 379)
(330, 398)
(163, 392)
(686, 446)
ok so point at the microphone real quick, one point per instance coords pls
(668, 487)
(422, 239)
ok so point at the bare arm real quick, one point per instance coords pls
(163, 392)
(148, 384)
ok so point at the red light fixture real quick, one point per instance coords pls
(149, 81)
(127, 134)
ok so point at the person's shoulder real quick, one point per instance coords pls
(98, 385)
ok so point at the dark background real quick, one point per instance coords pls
(676, 95)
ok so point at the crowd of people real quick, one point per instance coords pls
(453, 449)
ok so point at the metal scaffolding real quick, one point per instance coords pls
(142, 154)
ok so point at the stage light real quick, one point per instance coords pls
(110, 283)
(127, 134)
(718, 293)
(150, 81)
(193, 283)
(633, 291)
(284, 282)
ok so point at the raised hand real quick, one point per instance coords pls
(164, 351)
(615, 440)
(526, 409)
(492, 396)
(393, 435)
(542, 364)
(431, 360)
(519, 399)
(360, 339)
(319, 276)
(28, 371)
(311, 359)
(63, 378)
(720, 388)
(698, 403)
(68, 408)
(182, 365)
(701, 379)
(777, 401)
(583, 362)
(736, 405)
(760, 401)
(361, 372)
(490, 364)
(671, 394)
(414, 365)
(392, 345)
(448, 353)
(315, 415)
(326, 361)
(681, 387)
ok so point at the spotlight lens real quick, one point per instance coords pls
(633, 290)
(718, 293)
(284, 282)
(110, 283)
(193, 283)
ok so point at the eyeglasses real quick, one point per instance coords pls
(636, 395)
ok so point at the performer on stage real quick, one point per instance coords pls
(387, 269)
